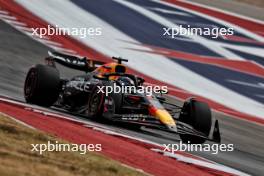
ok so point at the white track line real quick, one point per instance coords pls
(170, 11)
(49, 42)
(16, 23)
(8, 17)
(4, 12)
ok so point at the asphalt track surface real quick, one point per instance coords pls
(19, 52)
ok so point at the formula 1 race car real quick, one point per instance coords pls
(86, 95)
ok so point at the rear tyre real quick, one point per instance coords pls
(42, 85)
(198, 115)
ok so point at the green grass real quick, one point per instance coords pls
(16, 157)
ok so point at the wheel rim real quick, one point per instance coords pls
(30, 83)
(94, 104)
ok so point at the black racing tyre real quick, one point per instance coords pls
(42, 85)
(198, 115)
(95, 104)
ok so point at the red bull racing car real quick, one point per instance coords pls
(88, 95)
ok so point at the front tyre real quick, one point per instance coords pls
(198, 115)
(42, 85)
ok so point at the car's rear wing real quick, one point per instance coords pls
(74, 62)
